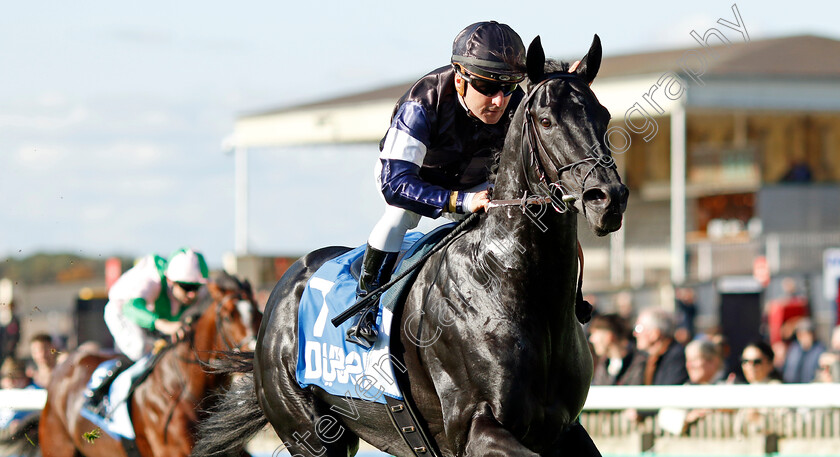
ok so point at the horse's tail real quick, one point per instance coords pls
(23, 440)
(234, 419)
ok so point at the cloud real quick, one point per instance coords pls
(39, 157)
(45, 122)
(145, 36)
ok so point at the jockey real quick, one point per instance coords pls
(435, 158)
(149, 297)
(152, 295)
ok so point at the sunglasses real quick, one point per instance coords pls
(189, 287)
(752, 362)
(490, 88)
(639, 328)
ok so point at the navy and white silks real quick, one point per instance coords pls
(432, 147)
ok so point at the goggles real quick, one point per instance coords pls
(488, 87)
(189, 287)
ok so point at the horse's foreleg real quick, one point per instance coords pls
(487, 438)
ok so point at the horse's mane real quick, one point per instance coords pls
(551, 66)
(227, 281)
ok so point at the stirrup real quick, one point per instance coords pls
(364, 332)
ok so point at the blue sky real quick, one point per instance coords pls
(112, 116)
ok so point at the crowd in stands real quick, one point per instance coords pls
(19, 373)
(662, 347)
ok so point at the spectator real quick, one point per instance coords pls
(654, 333)
(617, 362)
(9, 330)
(828, 369)
(12, 376)
(686, 311)
(624, 306)
(834, 344)
(784, 311)
(803, 354)
(799, 171)
(44, 358)
(704, 363)
(757, 364)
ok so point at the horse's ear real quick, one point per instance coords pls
(535, 61)
(591, 62)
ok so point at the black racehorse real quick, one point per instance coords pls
(497, 363)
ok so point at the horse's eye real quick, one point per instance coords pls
(545, 122)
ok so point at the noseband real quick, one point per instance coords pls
(535, 154)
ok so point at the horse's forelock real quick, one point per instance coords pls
(551, 66)
(227, 281)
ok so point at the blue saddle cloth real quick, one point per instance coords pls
(115, 419)
(325, 359)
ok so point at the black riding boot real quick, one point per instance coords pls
(95, 393)
(376, 270)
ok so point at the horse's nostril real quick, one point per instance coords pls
(594, 196)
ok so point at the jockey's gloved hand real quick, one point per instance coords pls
(475, 201)
(166, 327)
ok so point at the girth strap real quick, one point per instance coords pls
(404, 419)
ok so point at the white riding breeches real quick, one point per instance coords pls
(129, 338)
(388, 233)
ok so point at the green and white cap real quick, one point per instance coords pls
(188, 266)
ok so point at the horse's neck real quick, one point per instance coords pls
(537, 245)
(185, 374)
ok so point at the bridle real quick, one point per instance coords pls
(535, 155)
(222, 319)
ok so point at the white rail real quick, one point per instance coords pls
(622, 397)
(23, 399)
(714, 396)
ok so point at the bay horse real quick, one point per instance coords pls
(166, 406)
(496, 361)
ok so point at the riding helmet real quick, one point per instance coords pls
(187, 266)
(491, 50)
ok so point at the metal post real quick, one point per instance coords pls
(705, 261)
(772, 252)
(241, 202)
(617, 260)
(678, 194)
